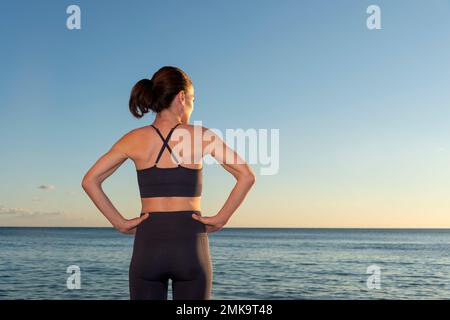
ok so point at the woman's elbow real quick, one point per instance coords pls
(252, 179)
(249, 178)
(87, 182)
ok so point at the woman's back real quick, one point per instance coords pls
(168, 180)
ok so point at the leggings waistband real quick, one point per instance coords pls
(171, 224)
(179, 212)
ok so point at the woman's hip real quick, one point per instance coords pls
(170, 225)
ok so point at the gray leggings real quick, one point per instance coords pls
(171, 245)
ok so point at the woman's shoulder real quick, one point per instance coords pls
(133, 137)
(136, 132)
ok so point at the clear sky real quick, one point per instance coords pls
(363, 114)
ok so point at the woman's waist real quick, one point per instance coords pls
(163, 204)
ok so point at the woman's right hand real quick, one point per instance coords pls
(129, 226)
(213, 223)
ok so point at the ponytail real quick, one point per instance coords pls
(141, 98)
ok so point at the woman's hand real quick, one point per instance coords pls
(213, 223)
(129, 226)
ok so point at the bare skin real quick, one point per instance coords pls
(142, 146)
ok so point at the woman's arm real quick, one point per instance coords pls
(234, 164)
(92, 185)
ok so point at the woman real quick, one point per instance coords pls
(171, 235)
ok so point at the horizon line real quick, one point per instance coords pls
(314, 228)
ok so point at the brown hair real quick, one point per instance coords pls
(157, 93)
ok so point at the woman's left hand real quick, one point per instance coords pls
(213, 223)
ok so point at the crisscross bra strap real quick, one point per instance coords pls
(165, 142)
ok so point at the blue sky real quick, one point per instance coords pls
(363, 114)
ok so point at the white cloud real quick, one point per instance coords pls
(26, 213)
(46, 187)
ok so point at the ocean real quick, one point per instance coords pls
(248, 263)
